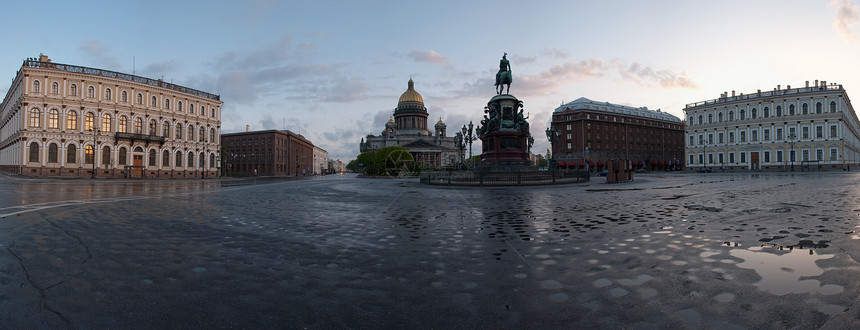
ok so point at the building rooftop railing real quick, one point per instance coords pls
(779, 92)
(31, 63)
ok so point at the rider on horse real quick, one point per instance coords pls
(504, 77)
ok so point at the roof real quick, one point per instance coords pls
(586, 104)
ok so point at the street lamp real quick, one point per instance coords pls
(468, 137)
(95, 133)
(791, 141)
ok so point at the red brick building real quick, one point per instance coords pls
(590, 132)
(270, 153)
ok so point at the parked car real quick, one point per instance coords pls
(704, 170)
(603, 173)
(641, 170)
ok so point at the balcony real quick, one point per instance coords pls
(139, 137)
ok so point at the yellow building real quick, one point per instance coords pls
(66, 120)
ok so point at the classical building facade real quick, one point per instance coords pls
(590, 133)
(810, 128)
(66, 120)
(320, 160)
(408, 128)
(269, 153)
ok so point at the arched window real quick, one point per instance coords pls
(36, 86)
(211, 135)
(52, 153)
(107, 122)
(731, 115)
(73, 90)
(154, 101)
(71, 154)
(202, 160)
(700, 119)
(779, 111)
(54, 119)
(710, 118)
(123, 124)
(139, 98)
(108, 94)
(178, 105)
(138, 126)
(89, 154)
(178, 158)
(152, 157)
(212, 112)
(178, 130)
(211, 160)
(818, 107)
(766, 112)
(124, 97)
(202, 134)
(91, 92)
(122, 157)
(202, 110)
(743, 115)
(754, 113)
(106, 155)
(55, 89)
(791, 109)
(89, 122)
(191, 108)
(72, 121)
(720, 117)
(190, 159)
(165, 159)
(35, 118)
(34, 152)
(167, 103)
(191, 134)
(152, 127)
(804, 109)
(165, 130)
(832, 106)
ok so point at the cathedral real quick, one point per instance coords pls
(408, 128)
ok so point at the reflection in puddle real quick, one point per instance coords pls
(781, 273)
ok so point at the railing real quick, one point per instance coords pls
(136, 136)
(118, 75)
(468, 178)
(780, 92)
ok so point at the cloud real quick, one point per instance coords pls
(430, 57)
(159, 69)
(664, 78)
(846, 19)
(99, 54)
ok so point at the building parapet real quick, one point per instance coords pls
(778, 92)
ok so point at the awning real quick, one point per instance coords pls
(599, 163)
(581, 163)
(661, 163)
(561, 164)
(640, 163)
(653, 163)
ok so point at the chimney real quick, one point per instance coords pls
(823, 83)
(247, 128)
(787, 86)
(733, 93)
(43, 58)
(759, 91)
(778, 86)
(816, 82)
(807, 83)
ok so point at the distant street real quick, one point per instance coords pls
(669, 250)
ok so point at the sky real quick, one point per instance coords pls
(334, 70)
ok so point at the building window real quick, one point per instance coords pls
(202, 110)
(108, 94)
(167, 103)
(754, 113)
(700, 119)
(54, 119)
(805, 109)
(107, 122)
(711, 138)
(701, 139)
(73, 90)
(805, 131)
(792, 133)
(72, 121)
(833, 131)
(55, 89)
(692, 140)
(778, 110)
(165, 130)
(701, 158)
(179, 106)
(743, 115)
(178, 131)
(152, 127)
(211, 160)
(833, 154)
(569, 147)
(766, 134)
(754, 135)
(165, 159)
(731, 115)
(832, 106)
(767, 156)
(123, 124)
(36, 86)
(106, 155)
(151, 157)
(191, 159)
(779, 134)
(154, 101)
(211, 135)
(779, 156)
(819, 154)
(179, 158)
(202, 159)
(191, 136)
(743, 136)
(710, 158)
(34, 152)
(720, 138)
(819, 132)
(710, 118)
(731, 137)
(818, 107)
(691, 159)
(766, 112)
(71, 154)
(91, 92)
(89, 122)
(720, 158)
(35, 118)
(731, 157)
(720, 117)
(89, 154)
(122, 156)
(191, 108)
(138, 125)
(139, 98)
(805, 155)
(791, 109)
(792, 155)
(743, 157)
(202, 134)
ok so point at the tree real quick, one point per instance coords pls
(541, 160)
(389, 160)
(365, 161)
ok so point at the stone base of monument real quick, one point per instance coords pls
(506, 151)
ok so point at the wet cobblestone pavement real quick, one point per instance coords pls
(728, 251)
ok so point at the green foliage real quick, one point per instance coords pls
(389, 160)
(364, 161)
(541, 160)
(353, 165)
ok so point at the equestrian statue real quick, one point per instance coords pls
(504, 77)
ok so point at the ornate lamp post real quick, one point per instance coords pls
(95, 134)
(791, 141)
(468, 138)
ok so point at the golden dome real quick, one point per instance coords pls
(390, 119)
(410, 95)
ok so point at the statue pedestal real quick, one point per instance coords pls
(505, 149)
(505, 135)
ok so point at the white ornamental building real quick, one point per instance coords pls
(65, 120)
(812, 128)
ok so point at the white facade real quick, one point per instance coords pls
(320, 160)
(58, 120)
(809, 128)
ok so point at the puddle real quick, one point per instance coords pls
(781, 273)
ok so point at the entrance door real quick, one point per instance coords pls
(138, 166)
(754, 160)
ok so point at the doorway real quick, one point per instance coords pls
(137, 170)
(754, 160)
